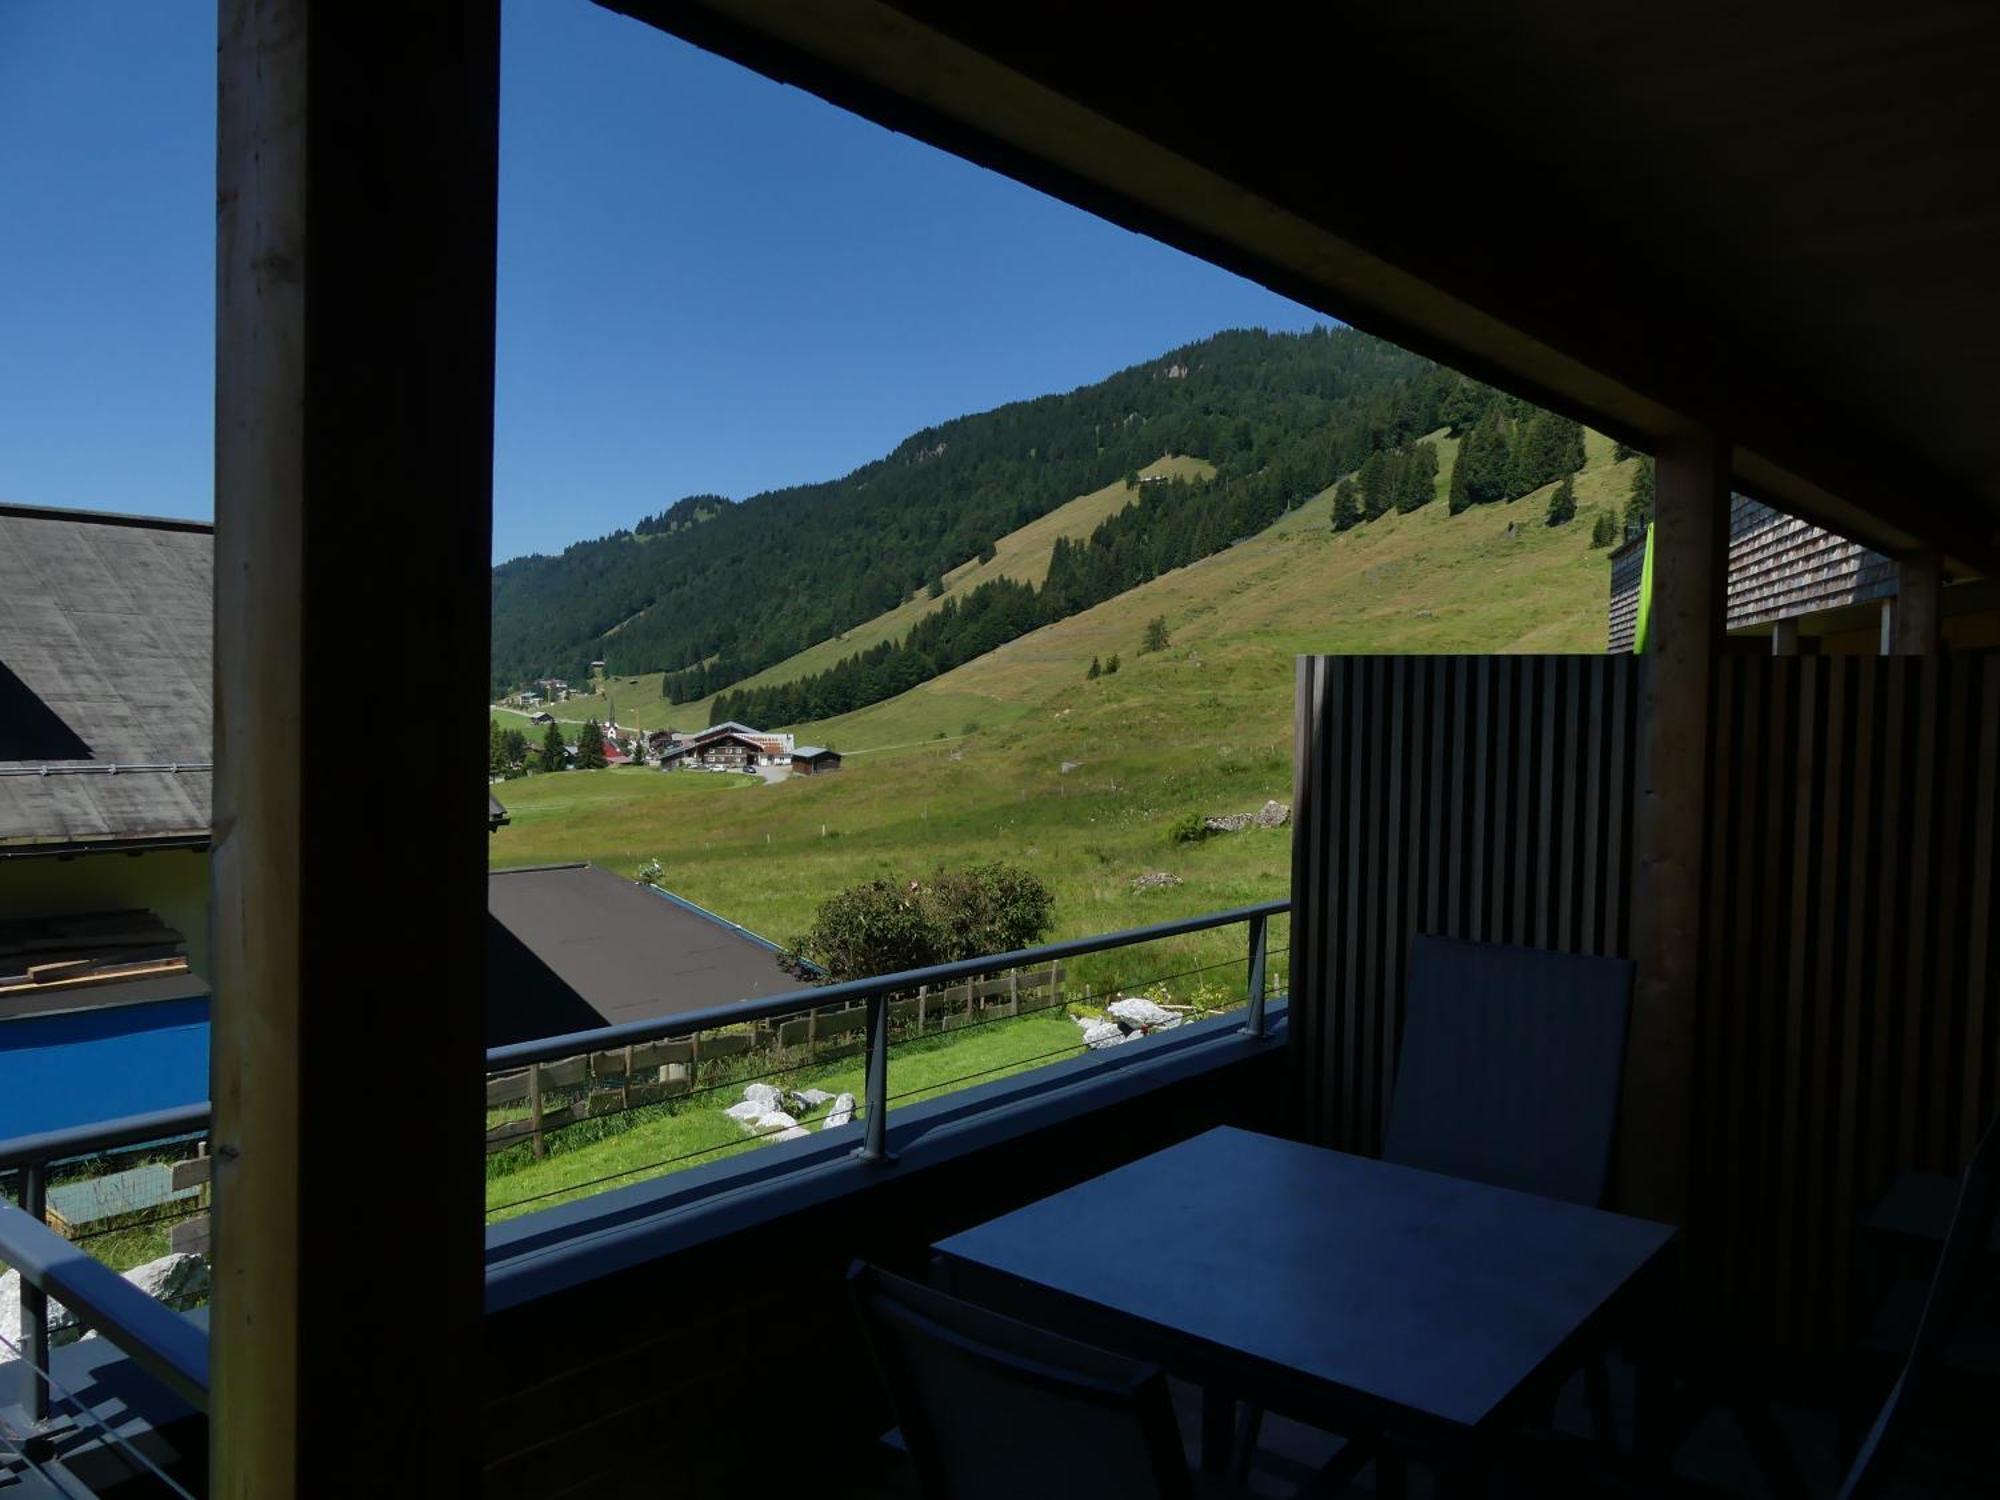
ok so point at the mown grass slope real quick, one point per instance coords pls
(1017, 756)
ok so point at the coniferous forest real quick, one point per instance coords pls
(709, 592)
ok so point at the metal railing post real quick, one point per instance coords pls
(875, 1123)
(1253, 1021)
(34, 1301)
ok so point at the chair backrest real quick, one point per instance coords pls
(1964, 1258)
(1511, 1065)
(995, 1409)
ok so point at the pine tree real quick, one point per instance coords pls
(639, 748)
(1485, 461)
(1110, 664)
(1346, 505)
(1639, 508)
(937, 586)
(553, 758)
(1463, 405)
(590, 746)
(1096, 669)
(1155, 638)
(1562, 504)
(496, 751)
(1378, 485)
(1621, 450)
(1418, 484)
(1604, 530)
(987, 552)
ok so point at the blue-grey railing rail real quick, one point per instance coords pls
(176, 1352)
(157, 1338)
(876, 992)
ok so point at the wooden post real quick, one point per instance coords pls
(625, 1087)
(356, 177)
(1690, 561)
(535, 1106)
(1785, 638)
(1013, 992)
(923, 994)
(1916, 620)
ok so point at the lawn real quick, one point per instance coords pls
(695, 1129)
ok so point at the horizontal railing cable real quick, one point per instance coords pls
(116, 1443)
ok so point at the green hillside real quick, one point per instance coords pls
(714, 592)
(971, 766)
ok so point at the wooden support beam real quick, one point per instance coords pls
(1785, 638)
(1918, 615)
(357, 178)
(1690, 574)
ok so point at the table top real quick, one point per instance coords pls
(1363, 1278)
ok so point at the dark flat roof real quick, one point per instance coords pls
(571, 947)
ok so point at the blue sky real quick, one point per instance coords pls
(707, 281)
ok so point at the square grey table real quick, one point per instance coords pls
(1324, 1285)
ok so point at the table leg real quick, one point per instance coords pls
(1218, 1429)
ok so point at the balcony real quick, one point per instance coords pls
(125, 1411)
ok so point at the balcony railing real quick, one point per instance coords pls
(174, 1349)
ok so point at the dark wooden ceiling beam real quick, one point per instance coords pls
(1310, 196)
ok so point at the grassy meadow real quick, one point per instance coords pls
(1018, 756)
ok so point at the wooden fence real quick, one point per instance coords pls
(609, 1082)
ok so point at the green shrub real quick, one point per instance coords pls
(1189, 828)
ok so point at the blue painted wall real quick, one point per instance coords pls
(91, 1065)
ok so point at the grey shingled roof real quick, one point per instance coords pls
(105, 630)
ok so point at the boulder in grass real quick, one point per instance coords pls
(791, 1135)
(1272, 815)
(807, 1100)
(775, 1121)
(762, 1093)
(1097, 1035)
(180, 1281)
(1142, 1015)
(841, 1113)
(1155, 880)
(1226, 822)
(746, 1112)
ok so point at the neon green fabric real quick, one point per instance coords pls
(1639, 631)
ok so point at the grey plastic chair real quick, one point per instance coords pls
(1511, 1065)
(1960, 1263)
(995, 1409)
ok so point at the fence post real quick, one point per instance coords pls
(875, 1124)
(1253, 1022)
(1013, 992)
(625, 1085)
(535, 1106)
(34, 1301)
(923, 994)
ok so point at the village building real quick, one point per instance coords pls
(814, 760)
(727, 746)
(1807, 590)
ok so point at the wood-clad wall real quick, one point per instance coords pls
(1849, 1022)
(1483, 797)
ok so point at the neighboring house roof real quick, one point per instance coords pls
(496, 815)
(572, 947)
(813, 752)
(105, 679)
(728, 726)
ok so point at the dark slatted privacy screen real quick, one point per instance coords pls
(1849, 1019)
(1481, 797)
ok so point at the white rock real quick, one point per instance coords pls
(1272, 814)
(841, 1113)
(775, 1121)
(809, 1099)
(791, 1135)
(764, 1094)
(746, 1111)
(1141, 1013)
(177, 1280)
(1098, 1035)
